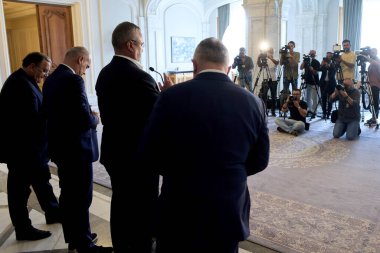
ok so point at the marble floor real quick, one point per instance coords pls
(100, 213)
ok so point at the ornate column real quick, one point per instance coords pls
(263, 24)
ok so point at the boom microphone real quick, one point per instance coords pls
(152, 69)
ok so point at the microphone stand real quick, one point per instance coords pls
(152, 69)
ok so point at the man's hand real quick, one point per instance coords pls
(167, 83)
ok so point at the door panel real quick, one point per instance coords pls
(56, 34)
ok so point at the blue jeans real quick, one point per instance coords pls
(290, 125)
(350, 128)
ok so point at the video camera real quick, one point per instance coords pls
(263, 57)
(238, 61)
(307, 59)
(337, 49)
(360, 58)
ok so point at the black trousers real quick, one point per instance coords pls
(375, 95)
(133, 208)
(76, 183)
(272, 87)
(21, 177)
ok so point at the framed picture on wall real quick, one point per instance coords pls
(182, 49)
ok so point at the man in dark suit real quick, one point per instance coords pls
(205, 137)
(72, 146)
(24, 146)
(125, 90)
(327, 84)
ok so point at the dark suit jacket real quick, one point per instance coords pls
(70, 123)
(125, 93)
(23, 127)
(206, 136)
(327, 87)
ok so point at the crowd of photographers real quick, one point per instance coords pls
(336, 83)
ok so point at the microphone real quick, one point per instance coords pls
(152, 69)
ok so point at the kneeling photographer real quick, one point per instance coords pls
(296, 123)
(348, 110)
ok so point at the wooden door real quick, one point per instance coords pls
(55, 30)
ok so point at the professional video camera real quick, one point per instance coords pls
(337, 49)
(307, 59)
(284, 50)
(360, 58)
(263, 57)
(238, 61)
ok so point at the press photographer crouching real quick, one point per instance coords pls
(348, 110)
(295, 124)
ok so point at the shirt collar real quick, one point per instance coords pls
(138, 64)
(212, 70)
(69, 67)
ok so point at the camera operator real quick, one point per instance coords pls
(262, 61)
(327, 83)
(374, 81)
(290, 59)
(347, 61)
(348, 110)
(244, 66)
(311, 67)
(298, 110)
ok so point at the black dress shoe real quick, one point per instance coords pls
(31, 234)
(94, 238)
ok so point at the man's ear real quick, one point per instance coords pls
(195, 68)
(80, 60)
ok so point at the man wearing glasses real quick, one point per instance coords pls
(23, 146)
(126, 93)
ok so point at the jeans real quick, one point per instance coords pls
(290, 125)
(286, 83)
(311, 97)
(350, 128)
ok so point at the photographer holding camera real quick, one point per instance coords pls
(374, 81)
(296, 123)
(290, 59)
(244, 66)
(271, 66)
(348, 110)
(347, 62)
(311, 66)
(327, 83)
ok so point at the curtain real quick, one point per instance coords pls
(223, 19)
(352, 20)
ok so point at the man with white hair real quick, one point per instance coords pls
(205, 137)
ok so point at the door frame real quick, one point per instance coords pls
(79, 9)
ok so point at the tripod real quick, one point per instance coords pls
(263, 93)
(365, 88)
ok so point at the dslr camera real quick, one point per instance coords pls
(339, 87)
(284, 50)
